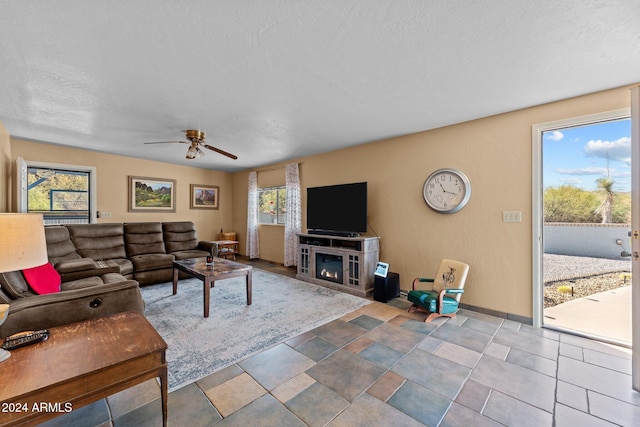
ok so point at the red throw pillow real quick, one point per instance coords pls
(43, 279)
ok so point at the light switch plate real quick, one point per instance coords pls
(511, 216)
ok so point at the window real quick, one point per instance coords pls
(58, 194)
(63, 194)
(272, 205)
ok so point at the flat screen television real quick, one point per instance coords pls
(337, 209)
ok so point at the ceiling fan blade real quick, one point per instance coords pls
(224, 153)
(167, 142)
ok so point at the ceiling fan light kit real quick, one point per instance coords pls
(196, 138)
(194, 151)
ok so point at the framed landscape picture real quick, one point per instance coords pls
(205, 196)
(152, 194)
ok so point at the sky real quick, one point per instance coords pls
(578, 156)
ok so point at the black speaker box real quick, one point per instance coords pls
(386, 288)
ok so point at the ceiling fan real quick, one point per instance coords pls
(196, 139)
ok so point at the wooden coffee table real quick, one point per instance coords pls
(79, 364)
(221, 269)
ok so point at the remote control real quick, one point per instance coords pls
(24, 338)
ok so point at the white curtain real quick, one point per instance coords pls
(293, 216)
(253, 243)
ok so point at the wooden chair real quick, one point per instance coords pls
(447, 287)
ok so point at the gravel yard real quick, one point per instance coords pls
(586, 276)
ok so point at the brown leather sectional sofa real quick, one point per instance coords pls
(143, 251)
(101, 267)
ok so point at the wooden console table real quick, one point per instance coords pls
(79, 364)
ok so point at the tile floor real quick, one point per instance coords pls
(382, 366)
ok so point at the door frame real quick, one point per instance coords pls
(635, 240)
(537, 191)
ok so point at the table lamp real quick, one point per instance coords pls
(22, 245)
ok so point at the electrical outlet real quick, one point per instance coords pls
(511, 216)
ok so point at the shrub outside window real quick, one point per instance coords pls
(272, 205)
(62, 196)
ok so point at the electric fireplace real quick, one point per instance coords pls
(343, 263)
(329, 267)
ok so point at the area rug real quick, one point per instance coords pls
(282, 308)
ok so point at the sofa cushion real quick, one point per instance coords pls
(13, 283)
(429, 301)
(152, 261)
(143, 238)
(43, 279)
(59, 244)
(112, 278)
(86, 282)
(98, 241)
(179, 236)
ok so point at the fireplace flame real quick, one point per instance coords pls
(329, 274)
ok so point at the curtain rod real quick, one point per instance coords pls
(275, 169)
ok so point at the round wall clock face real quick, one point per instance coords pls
(447, 190)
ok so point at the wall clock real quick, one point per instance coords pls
(447, 190)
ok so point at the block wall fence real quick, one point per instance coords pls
(588, 240)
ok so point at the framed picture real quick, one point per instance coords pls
(152, 194)
(205, 196)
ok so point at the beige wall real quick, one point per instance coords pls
(495, 153)
(113, 172)
(271, 235)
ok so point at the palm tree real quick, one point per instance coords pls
(605, 186)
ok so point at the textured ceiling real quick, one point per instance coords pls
(276, 80)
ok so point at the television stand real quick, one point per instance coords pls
(339, 262)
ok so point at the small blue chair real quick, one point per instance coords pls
(447, 287)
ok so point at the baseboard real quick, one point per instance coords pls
(501, 314)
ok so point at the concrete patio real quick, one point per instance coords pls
(604, 314)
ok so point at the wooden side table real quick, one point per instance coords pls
(79, 364)
(228, 249)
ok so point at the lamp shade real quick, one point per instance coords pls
(22, 241)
